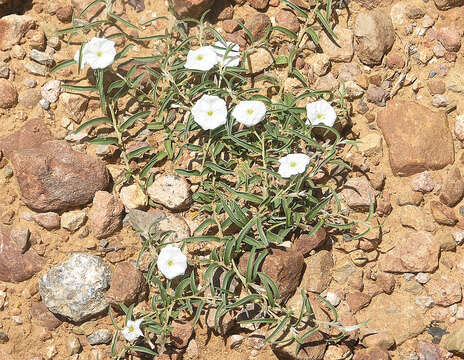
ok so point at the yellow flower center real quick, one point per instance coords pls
(200, 57)
(210, 113)
(293, 164)
(250, 111)
(170, 263)
(99, 54)
(319, 116)
(131, 329)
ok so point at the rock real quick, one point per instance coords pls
(190, 8)
(406, 197)
(304, 243)
(51, 91)
(288, 20)
(357, 301)
(29, 98)
(394, 61)
(128, 285)
(13, 28)
(105, 215)
(142, 222)
(415, 218)
(132, 197)
(422, 182)
(340, 50)
(32, 134)
(371, 354)
(450, 38)
(352, 90)
(16, 266)
(358, 194)
(35, 68)
(52, 176)
(73, 345)
(394, 315)
(73, 220)
(440, 101)
(8, 94)
(326, 82)
(459, 127)
(259, 4)
(43, 317)
(452, 190)
(171, 191)
(75, 289)
(48, 220)
(181, 334)
(374, 338)
(416, 252)
(454, 342)
(74, 105)
(418, 139)
(444, 291)
(224, 324)
(317, 275)
(375, 36)
(235, 341)
(455, 81)
(102, 336)
(3, 338)
(21, 237)
(448, 4)
(371, 145)
(258, 25)
(442, 214)
(41, 57)
(65, 13)
(376, 95)
(436, 86)
(260, 60)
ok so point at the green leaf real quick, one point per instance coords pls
(281, 60)
(131, 120)
(217, 168)
(278, 328)
(123, 52)
(286, 32)
(325, 24)
(313, 35)
(125, 22)
(96, 121)
(139, 152)
(104, 141)
(62, 65)
(78, 88)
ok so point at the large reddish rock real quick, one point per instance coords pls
(128, 285)
(418, 139)
(8, 94)
(191, 8)
(105, 215)
(305, 243)
(33, 133)
(52, 176)
(13, 28)
(414, 252)
(14, 265)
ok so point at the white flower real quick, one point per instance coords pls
(202, 59)
(232, 58)
(249, 113)
(320, 112)
(131, 331)
(171, 262)
(210, 112)
(293, 164)
(99, 53)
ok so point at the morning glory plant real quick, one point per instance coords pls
(320, 112)
(210, 112)
(99, 53)
(171, 262)
(249, 113)
(202, 59)
(132, 331)
(293, 164)
(228, 53)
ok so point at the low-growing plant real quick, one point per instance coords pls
(243, 203)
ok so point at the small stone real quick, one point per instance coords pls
(305, 243)
(181, 334)
(102, 336)
(395, 61)
(458, 237)
(171, 191)
(14, 27)
(257, 25)
(333, 298)
(422, 278)
(35, 68)
(260, 60)
(442, 214)
(21, 237)
(3, 338)
(74, 105)
(288, 20)
(320, 63)
(105, 215)
(18, 52)
(30, 83)
(73, 345)
(4, 70)
(192, 352)
(423, 182)
(444, 291)
(235, 341)
(439, 100)
(352, 90)
(454, 342)
(132, 197)
(371, 145)
(424, 302)
(127, 285)
(65, 13)
(73, 220)
(357, 301)
(190, 8)
(376, 95)
(450, 38)
(51, 91)
(75, 288)
(316, 277)
(41, 57)
(8, 94)
(448, 4)
(342, 49)
(45, 104)
(358, 194)
(459, 127)
(48, 220)
(29, 98)
(452, 190)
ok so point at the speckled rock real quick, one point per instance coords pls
(75, 289)
(102, 336)
(105, 215)
(171, 191)
(358, 193)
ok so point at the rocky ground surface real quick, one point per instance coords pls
(63, 231)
